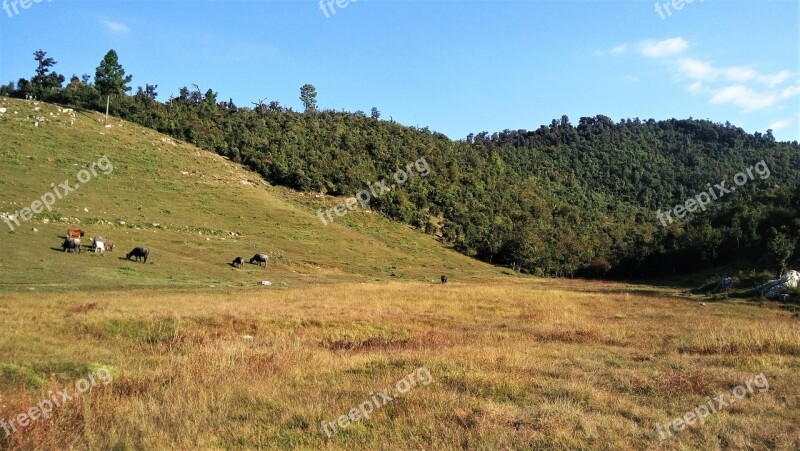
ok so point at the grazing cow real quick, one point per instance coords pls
(71, 244)
(237, 262)
(139, 253)
(109, 245)
(75, 233)
(444, 279)
(259, 259)
(99, 246)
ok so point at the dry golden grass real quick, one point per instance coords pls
(516, 364)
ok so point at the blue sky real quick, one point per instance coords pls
(454, 66)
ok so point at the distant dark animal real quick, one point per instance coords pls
(109, 245)
(75, 233)
(139, 253)
(237, 262)
(259, 259)
(444, 279)
(71, 244)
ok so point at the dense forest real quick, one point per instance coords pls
(562, 200)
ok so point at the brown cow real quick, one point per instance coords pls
(75, 233)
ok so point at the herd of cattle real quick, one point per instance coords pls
(100, 244)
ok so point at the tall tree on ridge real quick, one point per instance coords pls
(308, 95)
(45, 82)
(110, 78)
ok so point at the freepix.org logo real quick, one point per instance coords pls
(16, 5)
(48, 199)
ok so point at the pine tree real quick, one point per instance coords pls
(308, 95)
(110, 78)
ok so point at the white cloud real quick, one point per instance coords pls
(781, 124)
(115, 27)
(774, 79)
(695, 87)
(667, 47)
(702, 70)
(790, 92)
(618, 50)
(741, 86)
(739, 73)
(744, 97)
(697, 70)
(749, 99)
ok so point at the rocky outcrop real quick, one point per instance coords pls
(723, 285)
(779, 289)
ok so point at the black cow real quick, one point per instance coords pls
(444, 279)
(237, 262)
(71, 244)
(139, 253)
(259, 259)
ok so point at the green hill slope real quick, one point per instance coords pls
(193, 209)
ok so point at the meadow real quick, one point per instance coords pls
(527, 364)
(203, 357)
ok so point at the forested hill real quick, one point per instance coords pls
(564, 199)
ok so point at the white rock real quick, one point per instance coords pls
(775, 289)
(3, 110)
(266, 283)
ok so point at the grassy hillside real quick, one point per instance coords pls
(183, 203)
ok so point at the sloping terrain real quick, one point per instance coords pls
(194, 210)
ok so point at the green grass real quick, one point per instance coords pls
(196, 198)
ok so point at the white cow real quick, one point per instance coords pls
(99, 246)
